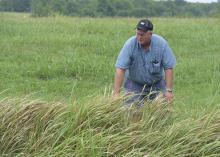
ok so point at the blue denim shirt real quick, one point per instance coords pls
(146, 67)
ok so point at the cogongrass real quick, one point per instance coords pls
(103, 127)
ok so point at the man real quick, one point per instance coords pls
(144, 61)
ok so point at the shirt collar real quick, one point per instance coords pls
(150, 47)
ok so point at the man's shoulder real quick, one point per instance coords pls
(131, 41)
(159, 39)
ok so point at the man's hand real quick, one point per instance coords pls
(119, 77)
(169, 85)
(115, 96)
(168, 96)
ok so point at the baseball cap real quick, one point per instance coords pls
(145, 25)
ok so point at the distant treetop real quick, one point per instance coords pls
(113, 8)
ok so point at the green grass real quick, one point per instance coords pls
(71, 60)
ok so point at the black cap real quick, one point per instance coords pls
(145, 25)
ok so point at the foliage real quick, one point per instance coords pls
(100, 8)
(15, 5)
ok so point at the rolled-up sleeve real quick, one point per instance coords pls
(124, 57)
(168, 58)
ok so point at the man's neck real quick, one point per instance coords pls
(146, 45)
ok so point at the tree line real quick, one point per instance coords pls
(111, 8)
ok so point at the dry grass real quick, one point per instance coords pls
(104, 128)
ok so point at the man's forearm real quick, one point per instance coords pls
(119, 77)
(169, 78)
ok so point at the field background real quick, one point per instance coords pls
(72, 59)
(69, 63)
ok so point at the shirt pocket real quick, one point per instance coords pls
(155, 67)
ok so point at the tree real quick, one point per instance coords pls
(72, 7)
(41, 8)
(15, 5)
(93, 8)
(105, 7)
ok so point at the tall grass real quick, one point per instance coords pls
(71, 58)
(104, 128)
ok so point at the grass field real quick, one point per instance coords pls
(71, 60)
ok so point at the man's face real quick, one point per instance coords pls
(143, 37)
